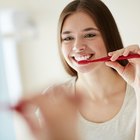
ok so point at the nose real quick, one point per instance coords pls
(79, 45)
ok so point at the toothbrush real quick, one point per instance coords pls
(107, 58)
(8, 107)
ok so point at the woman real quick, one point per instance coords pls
(103, 98)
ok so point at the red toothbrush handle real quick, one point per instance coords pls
(104, 59)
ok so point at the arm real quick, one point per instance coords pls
(57, 117)
(131, 74)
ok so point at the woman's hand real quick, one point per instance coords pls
(56, 119)
(131, 72)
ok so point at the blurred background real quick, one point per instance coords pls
(29, 60)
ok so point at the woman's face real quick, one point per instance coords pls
(81, 40)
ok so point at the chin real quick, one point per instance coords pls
(89, 68)
(84, 69)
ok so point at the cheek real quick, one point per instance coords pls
(101, 47)
(65, 52)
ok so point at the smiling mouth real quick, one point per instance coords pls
(80, 58)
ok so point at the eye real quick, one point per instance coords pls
(69, 38)
(90, 35)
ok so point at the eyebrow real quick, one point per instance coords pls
(90, 28)
(84, 30)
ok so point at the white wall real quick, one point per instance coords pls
(126, 13)
(39, 60)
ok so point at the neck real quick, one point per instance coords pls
(100, 84)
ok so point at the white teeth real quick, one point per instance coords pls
(80, 58)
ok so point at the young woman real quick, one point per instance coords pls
(102, 97)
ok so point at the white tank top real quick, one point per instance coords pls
(121, 127)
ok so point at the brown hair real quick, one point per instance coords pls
(104, 20)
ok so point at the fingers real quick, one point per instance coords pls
(124, 51)
(130, 71)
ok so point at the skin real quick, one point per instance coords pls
(82, 40)
(77, 41)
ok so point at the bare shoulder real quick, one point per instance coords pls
(58, 90)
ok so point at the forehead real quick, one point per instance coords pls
(78, 21)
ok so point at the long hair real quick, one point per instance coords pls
(103, 19)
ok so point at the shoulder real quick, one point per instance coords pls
(130, 98)
(57, 97)
(130, 92)
(64, 88)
